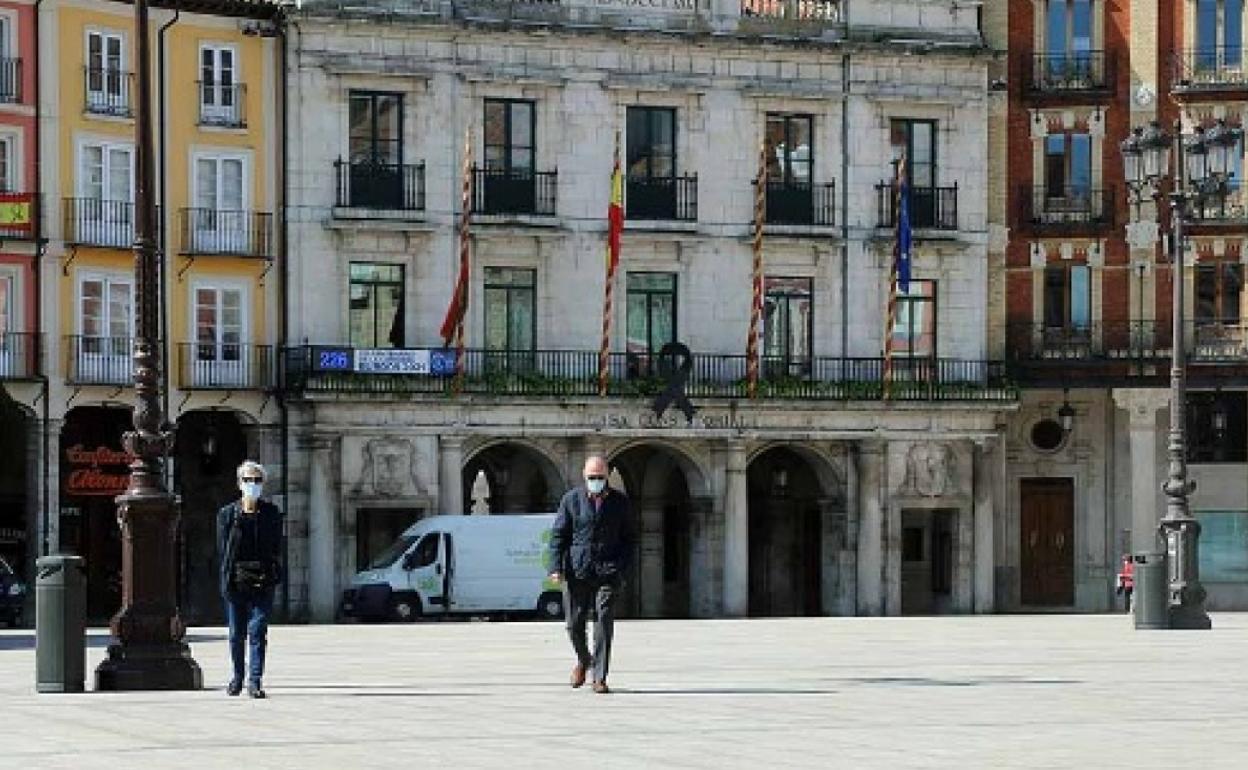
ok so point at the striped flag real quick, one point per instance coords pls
(615, 228)
(453, 323)
(899, 270)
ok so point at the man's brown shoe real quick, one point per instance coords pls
(578, 676)
(601, 688)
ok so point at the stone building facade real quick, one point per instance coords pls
(1082, 282)
(817, 497)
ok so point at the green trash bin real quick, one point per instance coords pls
(60, 624)
(1152, 585)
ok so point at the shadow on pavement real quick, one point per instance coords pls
(923, 681)
(25, 640)
(722, 691)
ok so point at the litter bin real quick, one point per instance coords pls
(1152, 587)
(60, 624)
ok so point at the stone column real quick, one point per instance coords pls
(870, 527)
(705, 596)
(450, 475)
(989, 470)
(323, 518)
(649, 513)
(50, 511)
(1142, 405)
(736, 534)
(832, 552)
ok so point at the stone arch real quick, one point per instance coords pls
(696, 475)
(521, 476)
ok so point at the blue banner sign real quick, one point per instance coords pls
(325, 359)
(438, 362)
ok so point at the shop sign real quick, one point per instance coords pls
(384, 360)
(100, 471)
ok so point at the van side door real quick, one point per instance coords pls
(424, 570)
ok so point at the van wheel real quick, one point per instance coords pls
(550, 606)
(404, 608)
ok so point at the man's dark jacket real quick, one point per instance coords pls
(589, 542)
(259, 540)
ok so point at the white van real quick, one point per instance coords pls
(460, 564)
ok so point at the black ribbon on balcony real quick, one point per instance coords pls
(675, 365)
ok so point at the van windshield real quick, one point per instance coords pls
(391, 554)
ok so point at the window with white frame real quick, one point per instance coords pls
(1218, 35)
(10, 65)
(8, 163)
(108, 87)
(220, 319)
(10, 348)
(103, 214)
(218, 85)
(220, 216)
(105, 326)
(6, 307)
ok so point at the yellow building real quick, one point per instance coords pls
(215, 77)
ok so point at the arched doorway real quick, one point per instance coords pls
(786, 534)
(94, 470)
(209, 446)
(661, 483)
(510, 477)
(15, 546)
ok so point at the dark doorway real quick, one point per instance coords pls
(210, 446)
(1047, 529)
(510, 478)
(927, 559)
(786, 536)
(376, 529)
(14, 524)
(94, 470)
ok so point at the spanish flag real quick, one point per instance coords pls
(615, 227)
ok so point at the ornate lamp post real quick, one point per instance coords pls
(148, 652)
(1202, 169)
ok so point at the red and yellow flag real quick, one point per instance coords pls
(615, 226)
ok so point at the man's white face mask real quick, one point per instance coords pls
(251, 489)
(596, 485)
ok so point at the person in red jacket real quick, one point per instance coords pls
(1126, 579)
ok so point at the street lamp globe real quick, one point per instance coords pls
(1155, 151)
(1132, 159)
(1221, 141)
(1198, 160)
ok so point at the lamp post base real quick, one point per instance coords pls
(167, 666)
(1186, 594)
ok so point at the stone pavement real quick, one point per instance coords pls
(990, 692)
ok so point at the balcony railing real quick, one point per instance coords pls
(514, 191)
(1063, 210)
(1071, 73)
(10, 80)
(931, 208)
(225, 366)
(575, 374)
(1229, 207)
(222, 105)
(99, 360)
(17, 355)
(108, 91)
(19, 216)
(669, 199)
(1207, 342)
(1211, 68)
(95, 222)
(228, 233)
(801, 203)
(380, 186)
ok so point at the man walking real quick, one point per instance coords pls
(591, 549)
(249, 539)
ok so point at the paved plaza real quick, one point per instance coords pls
(1034, 691)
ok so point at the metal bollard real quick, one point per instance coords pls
(1151, 585)
(60, 624)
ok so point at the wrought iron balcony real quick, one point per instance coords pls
(10, 80)
(19, 216)
(1224, 207)
(1072, 209)
(380, 186)
(574, 373)
(226, 366)
(1217, 68)
(931, 208)
(669, 199)
(108, 91)
(227, 233)
(99, 360)
(17, 355)
(801, 203)
(514, 191)
(95, 222)
(1077, 73)
(222, 105)
(1125, 349)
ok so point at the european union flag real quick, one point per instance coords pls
(903, 231)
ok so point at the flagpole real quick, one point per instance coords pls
(756, 300)
(890, 320)
(614, 225)
(461, 289)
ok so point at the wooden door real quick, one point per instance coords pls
(1047, 530)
